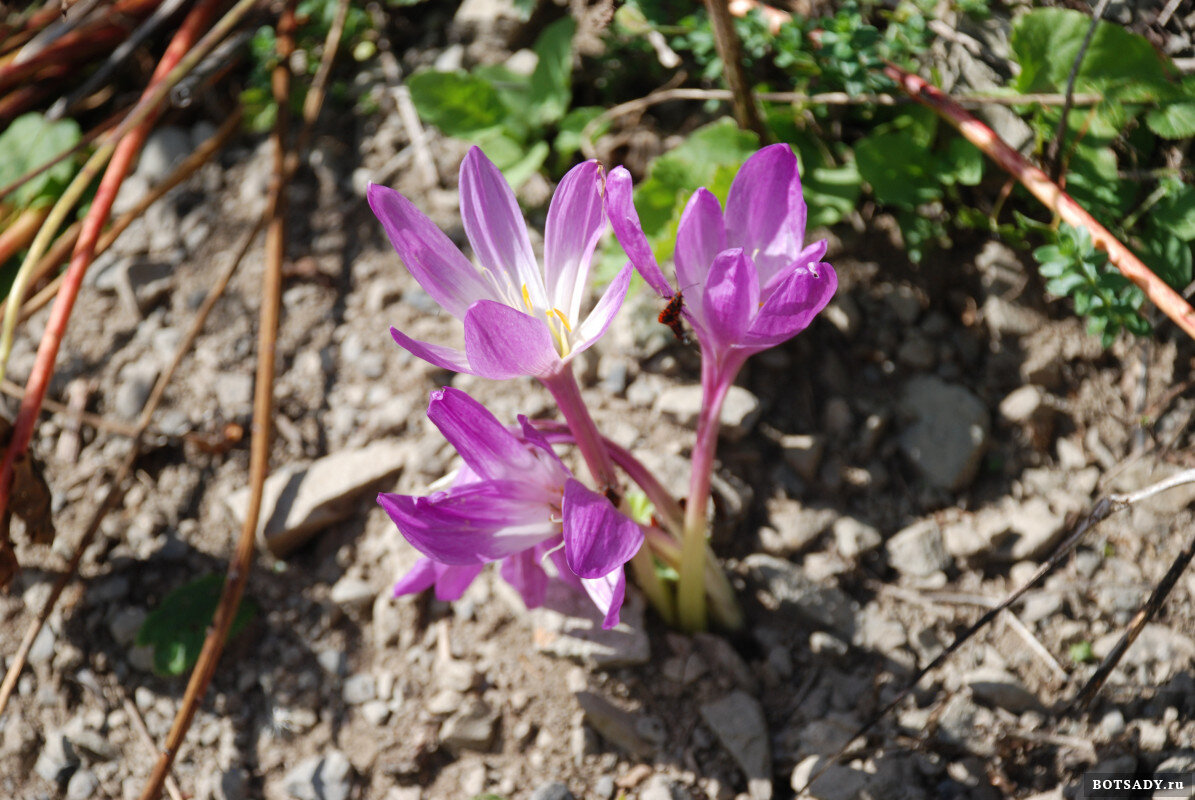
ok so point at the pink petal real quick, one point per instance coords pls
(599, 319)
(597, 538)
(700, 236)
(620, 205)
(430, 256)
(443, 357)
(474, 524)
(731, 297)
(495, 227)
(792, 306)
(524, 573)
(576, 221)
(421, 576)
(453, 581)
(607, 593)
(487, 446)
(502, 342)
(765, 212)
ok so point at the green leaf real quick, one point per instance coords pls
(673, 176)
(30, 142)
(568, 140)
(176, 629)
(901, 171)
(1046, 41)
(831, 193)
(550, 82)
(1167, 255)
(1173, 120)
(516, 162)
(1093, 180)
(457, 103)
(1176, 210)
(963, 162)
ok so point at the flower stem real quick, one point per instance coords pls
(715, 383)
(564, 388)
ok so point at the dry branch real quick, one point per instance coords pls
(263, 400)
(1050, 194)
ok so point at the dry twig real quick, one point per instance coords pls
(259, 454)
(1050, 194)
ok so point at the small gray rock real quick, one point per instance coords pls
(740, 409)
(568, 625)
(854, 537)
(836, 783)
(359, 688)
(327, 777)
(738, 722)
(659, 787)
(995, 687)
(918, 550)
(57, 759)
(471, 728)
(804, 454)
(164, 148)
(82, 785)
(124, 625)
(556, 790)
(618, 727)
(947, 440)
(782, 583)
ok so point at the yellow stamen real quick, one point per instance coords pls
(527, 299)
(558, 314)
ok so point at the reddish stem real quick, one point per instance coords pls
(1050, 194)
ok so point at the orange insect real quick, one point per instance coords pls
(670, 316)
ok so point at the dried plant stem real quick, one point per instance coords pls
(21, 231)
(730, 51)
(172, 787)
(181, 55)
(116, 486)
(1050, 194)
(667, 95)
(1058, 145)
(87, 418)
(263, 400)
(189, 166)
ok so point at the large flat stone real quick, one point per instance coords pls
(298, 501)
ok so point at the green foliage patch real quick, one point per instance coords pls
(176, 628)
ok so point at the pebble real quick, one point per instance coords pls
(998, 688)
(470, 728)
(803, 453)
(726, 661)
(1155, 644)
(230, 784)
(659, 787)
(853, 537)
(82, 785)
(125, 623)
(359, 689)
(618, 727)
(782, 584)
(836, 783)
(796, 526)
(375, 712)
(947, 440)
(57, 758)
(136, 382)
(1112, 724)
(843, 313)
(352, 593)
(93, 744)
(327, 777)
(299, 501)
(1025, 404)
(737, 721)
(740, 409)
(556, 790)
(604, 787)
(165, 147)
(570, 626)
(918, 550)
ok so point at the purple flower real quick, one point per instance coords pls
(747, 279)
(513, 502)
(519, 319)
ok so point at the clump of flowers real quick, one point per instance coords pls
(745, 281)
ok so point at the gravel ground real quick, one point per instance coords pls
(885, 477)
